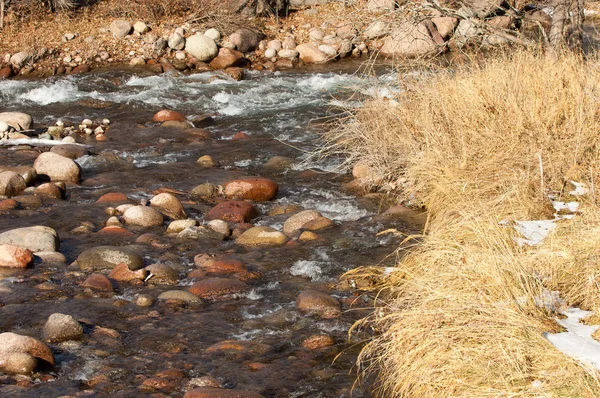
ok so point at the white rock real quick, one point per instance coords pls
(180, 55)
(289, 43)
(17, 120)
(69, 140)
(201, 47)
(270, 53)
(316, 34)
(176, 41)
(19, 59)
(140, 27)
(120, 28)
(328, 50)
(213, 34)
(219, 226)
(275, 45)
(3, 127)
(374, 31)
(87, 122)
(288, 54)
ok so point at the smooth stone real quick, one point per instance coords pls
(200, 134)
(61, 327)
(140, 27)
(311, 55)
(57, 167)
(245, 39)
(179, 295)
(295, 222)
(49, 190)
(36, 238)
(169, 205)
(18, 363)
(314, 302)
(200, 232)
(166, 115)
(206, 161)
(213, 34)
(14, 343)
(253, 188)
(121, 272)
(27, 172)
(235, 211)
(11, 183)
(162, 274)
(15, 257)
(262, 236)
(107, 257)
(17, 120)
(201, 47)
(206, 190)
(179, 225)
(211, 392)
(143, 216)
(288, 53)
(120, 28)
(226, 58)
(50, 257)
(219, 226)
(112, 197)
(98, 282)
(144, 300)
(214, 288)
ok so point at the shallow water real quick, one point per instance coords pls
(281, 112)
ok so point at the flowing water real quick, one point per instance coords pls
(126, 345)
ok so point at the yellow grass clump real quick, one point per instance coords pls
(466, 311)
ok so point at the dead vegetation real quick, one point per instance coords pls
(465, 310)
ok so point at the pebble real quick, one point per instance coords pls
(61, 327)
(143, 216)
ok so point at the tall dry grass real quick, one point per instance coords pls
(465, 313)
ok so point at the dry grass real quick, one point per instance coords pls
(480, 144)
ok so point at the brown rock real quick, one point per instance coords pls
(169, 205)
(175, 124)
(262, 236)
(31, 202)
(57, 167)
(296, 222)
(236, 73)
(252, 188)
(237, 347)
(8, 204)
(11, 183)
(27, 172)
(210, 392)
(214, 288)
(122, 273)
(108, 257)
(112, 197)
(240, 136)
(15, 257)
(226, 59)
(98, 282)
(200, 134)
(61, 327)
(314, 302)
(445, 25)
(14, 343)
(116, 230)
(167, 115)
(245, 39)
(317, 341)
(226, 266)
(311, 55)
(318, 224)
(233, 211)
(179, 295)
(162, 274)
(81, 69)
(143, 216)
(50, 190)
(18, 363)
(70, 151)
(6, 72)
(308, 236)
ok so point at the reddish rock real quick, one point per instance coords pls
(112, 197)
(196, 274)
(8, 204)
(200, 134)
(233, 211)
(6, 72)
(253, 188)
(318, 224)
(236, 73)
(160, 383)
(210, 392)
(240, 136)
(116, 230)
(317, 341)
(237, 347)
(213, 288)
(318, 303)
(98, 282)
(226, 266)
(15, 343)
(81, 69)
(226, 59)
(121, 272)
(15, 257)
(166, 115)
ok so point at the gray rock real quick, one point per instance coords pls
(143, 216)
(61, 327)
(107, 257)
(176, 41)
(295, 222)
(201, 47)
(213, 34)
(200, 232)
(19, 59)
(17, 120)
(36, 239)
(120, 28)
(179, 295)
(140, 27)
(57, 167)
(159, 45)
(245, 39)
(11, 183)
(289, 43)
(70, 151)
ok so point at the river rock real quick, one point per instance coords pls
(17, 120)
(318, 224)
(262, 236)
(11, 183)
(162, 274)
(177, 42)
(346, 31)
(275, 45)
(12, 343)
(245, 39)
(316, 34)
(219, 226)
(6, 72)
(62, 327)
(120, 28)
(179, 225)
(179, 295)
(381, 5)
(17, 363)
(288, 54)
(317, 341)
(49, 190)
(311, 54)
(83, 68)
(445, 25)
(270, 53)
(57, 167)
(375, 30)
(206, 161)
(70, 151)
(200, 232)
(98, 282)
(214, 288)
(409, 40)
(213, 34)
(206, 190)
(211, 392)
(314, 302)
(253, 188)
(289, 43)
(15, 257)
(235, 211)
(201, 47)
(227, 58)
(143, 216)
(36, 239)
(112, 197)
(50, 258)
(140, 27)
(165, 115)
(297, 221)
(107, 257)
(225, 266)
(328, 50)
(200, 134)
(122, 273)
(169, 205)
(19, 59)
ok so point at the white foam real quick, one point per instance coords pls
(310, 269)
(60, 91)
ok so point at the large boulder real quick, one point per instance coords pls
(201, 47)
(12, 343)
(11, 183)
(262, 236)
(15, 256)
(245, 39)
(61, 327)
(409, 40)
(17, 120)
(27, 172)
(36, 239)
(253, 188)
(19, 59)
(107, 257)
(120, 28)
(311, 55)
(226, 58)
(57, 167)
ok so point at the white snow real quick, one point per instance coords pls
(577, 341)
(533, 232)
(580, 189)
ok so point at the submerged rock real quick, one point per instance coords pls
(211, 392)
(314, 302)
(215, 288)
(36, 239)
(107, 257)
(179, 295)
(233, 211)
(297, 221)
